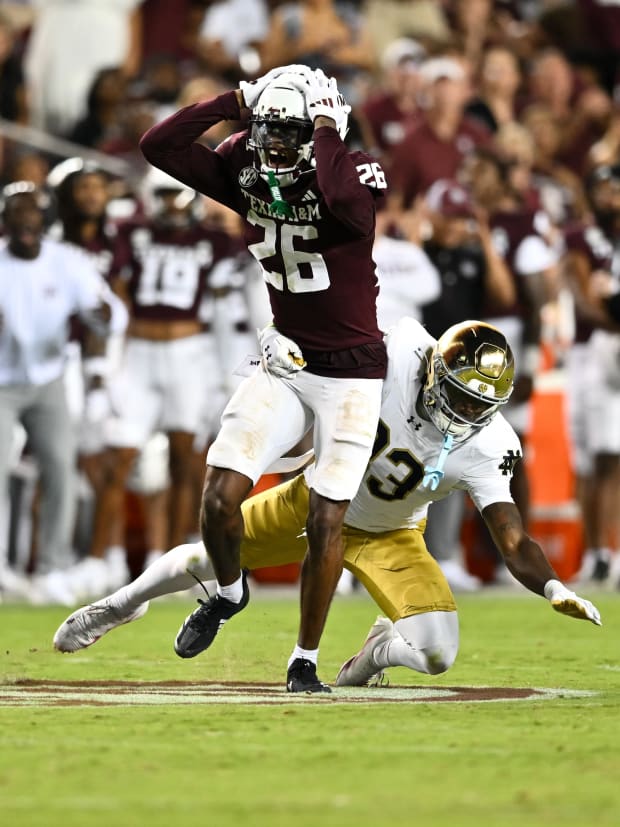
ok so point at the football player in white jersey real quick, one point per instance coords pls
(439, 429)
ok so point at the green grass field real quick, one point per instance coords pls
(541, 762)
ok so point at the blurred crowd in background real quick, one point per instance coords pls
(498, 127)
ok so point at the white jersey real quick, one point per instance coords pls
(408, 280)
(391, 495)
(37, 298)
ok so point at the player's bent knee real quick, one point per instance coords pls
(432, 660)
(218, 504)
(439, 658)
(427, 642)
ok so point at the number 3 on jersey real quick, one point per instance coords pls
(304, 272)
(394, 487)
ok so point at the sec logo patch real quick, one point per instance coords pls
(248, 176)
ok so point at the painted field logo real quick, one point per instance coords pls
(137, 693)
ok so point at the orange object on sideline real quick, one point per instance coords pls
(555, 519)
(548, 450)
(559, 531)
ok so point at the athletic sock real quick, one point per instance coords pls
(307, 654)
(167, 575)
(233, 592)
(151, 557)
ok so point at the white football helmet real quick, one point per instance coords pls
(281, 130)
(470, 376)
(156, 186)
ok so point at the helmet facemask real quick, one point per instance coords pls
(281, 132)
(470, 377)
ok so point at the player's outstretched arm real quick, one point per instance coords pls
(526, 561)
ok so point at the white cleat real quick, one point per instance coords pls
(86, 625)
(14, 587)
(52, 589)
(361, 668)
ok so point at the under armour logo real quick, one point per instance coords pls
(509, 460)
(416, 423)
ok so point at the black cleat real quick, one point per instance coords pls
(301, 677)
(200, 628)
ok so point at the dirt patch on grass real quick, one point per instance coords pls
(139, 693)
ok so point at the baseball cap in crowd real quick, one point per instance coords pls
(449, 198)
(403, 51)
(438, 68)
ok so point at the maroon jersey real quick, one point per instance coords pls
(423, 157)
(387, 122)
(511, 230)
(317, 262)
(589, 241)
(104, 251)
(167, 269)
(603, 23)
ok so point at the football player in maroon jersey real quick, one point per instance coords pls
(308, 206)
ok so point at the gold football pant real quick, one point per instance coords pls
(394, 566)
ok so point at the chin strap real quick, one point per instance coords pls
(278, 206)
(433, 476)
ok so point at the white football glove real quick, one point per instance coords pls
(324, 99)
(253, 89)
(568, 603)
(281, 355)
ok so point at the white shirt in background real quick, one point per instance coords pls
(235, 24)
(407, 280)
(37, 298)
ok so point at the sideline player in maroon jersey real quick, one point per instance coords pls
(167, 259)
(309, 211)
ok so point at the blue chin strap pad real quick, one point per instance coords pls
(433, 476)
